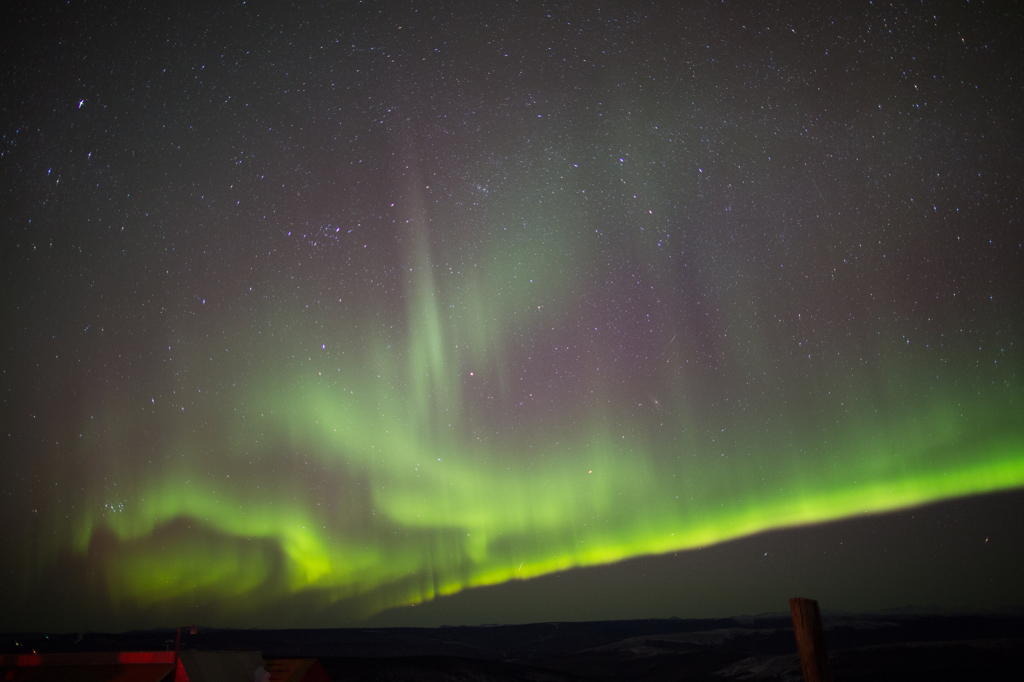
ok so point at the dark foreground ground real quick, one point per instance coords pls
(884, 646)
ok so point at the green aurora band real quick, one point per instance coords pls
(386, 465)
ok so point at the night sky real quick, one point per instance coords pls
(327, 312)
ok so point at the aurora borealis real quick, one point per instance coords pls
(326, 310)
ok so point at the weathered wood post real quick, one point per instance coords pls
(810, 640)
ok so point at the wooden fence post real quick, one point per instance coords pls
(810, 640)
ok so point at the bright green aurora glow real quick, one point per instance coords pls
(412, 467)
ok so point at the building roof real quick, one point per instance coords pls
(157, 666)
(127, 666)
